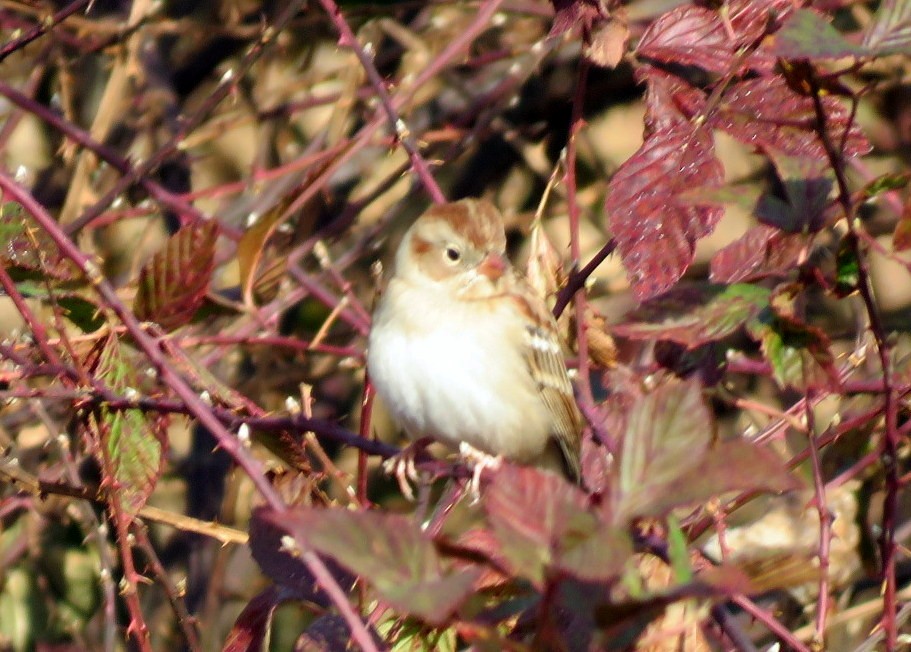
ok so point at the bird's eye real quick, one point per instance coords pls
(453, 254)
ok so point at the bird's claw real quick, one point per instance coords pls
(479, 461)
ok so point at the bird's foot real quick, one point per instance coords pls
(404, 468)
(479, 461)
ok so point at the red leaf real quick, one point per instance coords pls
(691, 36)
(544, 525)
(666, 458)
(694, 316)
(389, 551)
(669, 100)
(173, 284)
(761, 252)
(252, 625)
(655, 226)
(750, 19)
(767, 113)
(734, 465)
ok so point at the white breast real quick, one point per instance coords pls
(446, 373)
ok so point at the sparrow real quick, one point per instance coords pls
(464, 351)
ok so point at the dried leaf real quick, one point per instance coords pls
(901, 238)
(656, 227)
(173, 284)
(890, 31)
(27, 247)
(608, 42)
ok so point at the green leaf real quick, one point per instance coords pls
(678, 551)
(847, 269)
(798, 353)
(733, 465)
(806, 34)
(666, 429)
(173, 284)
(132, 442)
(693, 316)
(667, 460)
(885, 183)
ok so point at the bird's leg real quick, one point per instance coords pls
(479, 461)
(402, 466)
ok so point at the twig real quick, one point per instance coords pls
(418, 164)
(892, 440)
(194, 403)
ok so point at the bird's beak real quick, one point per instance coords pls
(493, 266)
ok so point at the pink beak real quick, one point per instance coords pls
(493, 266)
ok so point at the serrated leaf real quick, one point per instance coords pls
(806, 34)
(669, 100)
(656, 228)
(26, 247)
(132, 443)
(693, 316)
(761, 252)
(688, 35)
(544, 527)
(734, 465)
(890, 31)
(799, 353)
(173, 284)
(749, 19)
(666, 429)
(766, 113)
(390, 552)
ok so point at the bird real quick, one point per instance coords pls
(464, 351)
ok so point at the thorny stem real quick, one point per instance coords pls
(825, 523)
(764, 617)
(892, 439)
(572, 204)
(129, 591)
(42, 27)
(186, 621)
(194, 403)
(418, 164)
